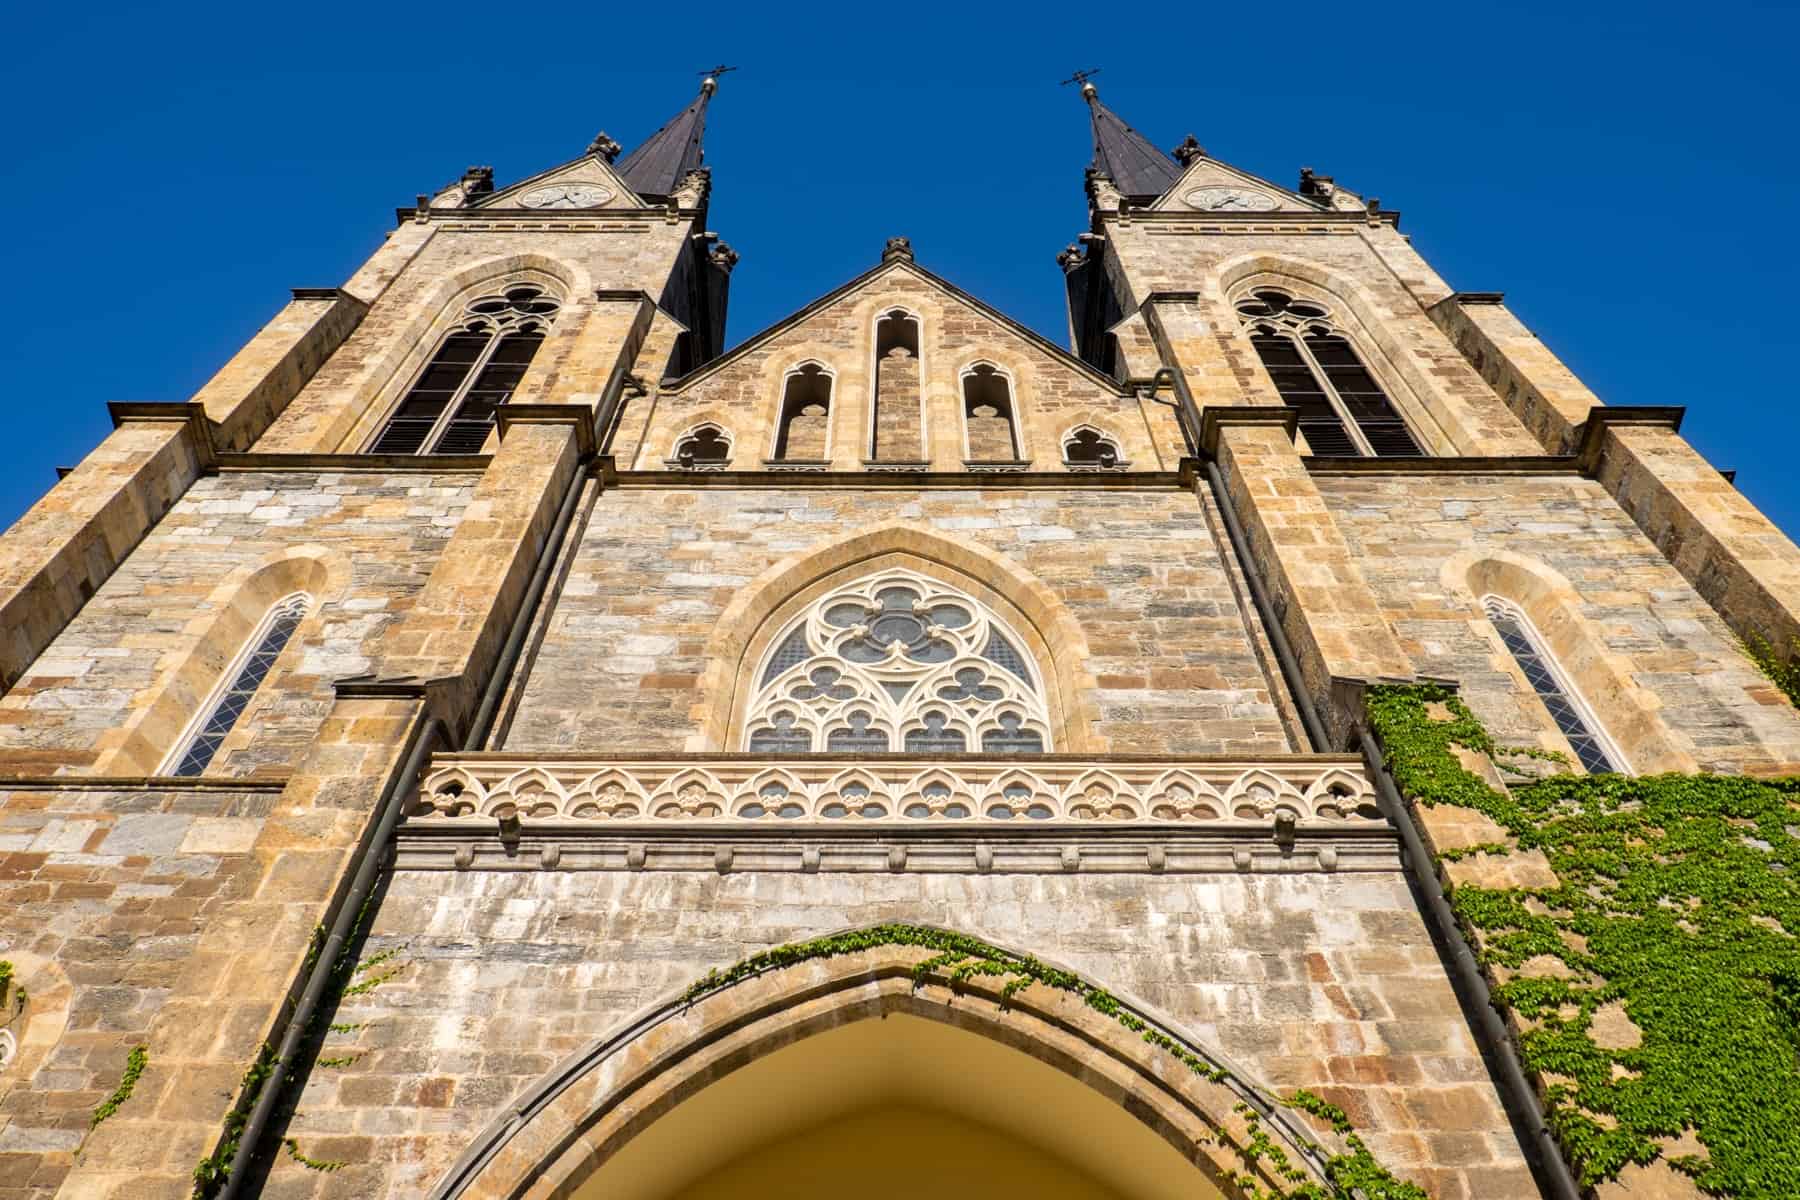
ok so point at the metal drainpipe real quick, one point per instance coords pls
(1516, 1092)
(534, 592)
(368, 867)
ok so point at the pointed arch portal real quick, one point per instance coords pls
(823, 1075)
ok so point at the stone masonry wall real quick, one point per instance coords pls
(119, 890)
(624, 654)
(385, 531)
(1322, 981)
(1687, 692)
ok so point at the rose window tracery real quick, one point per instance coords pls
(897, 663)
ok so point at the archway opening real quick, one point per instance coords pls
(879, 1107)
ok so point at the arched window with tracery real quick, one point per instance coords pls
(988, 415)
(1088, 449)
(238, 686)
(450, 407)
(1315, 367)
(897, 662)
(703, 448)
(1583, 731)
(803, 428)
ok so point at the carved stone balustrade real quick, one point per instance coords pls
(895, 790)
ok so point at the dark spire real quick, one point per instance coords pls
(657, 167)
(1124, 155)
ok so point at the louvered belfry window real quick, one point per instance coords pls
(1572, 717)
(450, 408)
(1343, 410)
(239, 686)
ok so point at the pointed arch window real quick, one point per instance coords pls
(239, 686)
(1088, 449)
(803, 429)
(989, 416)
(1315, 367)
(897, 662)
(703, 448)
(450, 407)
(1594, 750)
(897, 422)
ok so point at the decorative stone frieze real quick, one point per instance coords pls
(758, 790)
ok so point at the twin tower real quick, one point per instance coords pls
(403, 737)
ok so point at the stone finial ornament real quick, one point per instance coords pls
(604, 146)
(478, 181)
(723, 257)
(1189, 150)
(898, 247)
(1070, 258)
(1319, 186)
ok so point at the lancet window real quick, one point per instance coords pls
(988, 415)
(802, 432)
(239, 685)
(1592, 747)
(450, 408)
(1315, 367)
(898, 662)
(897, 425)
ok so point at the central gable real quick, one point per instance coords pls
(896, 370)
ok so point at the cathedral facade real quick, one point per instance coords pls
(405, 740)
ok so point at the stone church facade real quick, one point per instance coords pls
(485, 654)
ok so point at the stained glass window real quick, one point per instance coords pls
(263, 648)
(1540, 670)
(897, 662)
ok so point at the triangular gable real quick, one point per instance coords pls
(1209, 185)
(892, 266)
(590, 171)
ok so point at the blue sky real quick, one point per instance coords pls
(1625, 173)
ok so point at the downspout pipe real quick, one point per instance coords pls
(1516, 1091)
(1189, 419)
(343, 927)
(551, 550)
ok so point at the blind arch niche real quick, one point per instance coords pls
(897, 662)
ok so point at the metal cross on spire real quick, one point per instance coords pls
(709, 80)
(1080, 77)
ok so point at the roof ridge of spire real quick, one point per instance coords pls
(1122, 154)
(663, 160)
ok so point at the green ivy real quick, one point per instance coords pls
(211, 1172)
(135, 1062)
(311, 1164)
(1678, 898)
(958, 958)
(1783, 674)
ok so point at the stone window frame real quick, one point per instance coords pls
(1070, 434)
(1333, 325)
(294, 607)
(771, 459)
(1021, 448)
(497, 327)
(882, 312)
(796, 697)
(673, 461)
(1499, 608)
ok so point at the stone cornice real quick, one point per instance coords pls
(188, 413)
(790, 479)
(578, 416)
(927, 849)
(1603, 416)
(1248, 222)
(609, 219)
(252, 460)
(1215, 417)
(141, 783)
(1547, 464)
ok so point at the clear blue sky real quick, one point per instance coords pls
(1627, 174)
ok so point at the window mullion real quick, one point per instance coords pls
(1351, 427)
(462, 391)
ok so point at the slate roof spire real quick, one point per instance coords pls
(1124, 155)
(657, 167)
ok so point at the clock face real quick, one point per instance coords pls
(566, 195)
(1229, 199)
